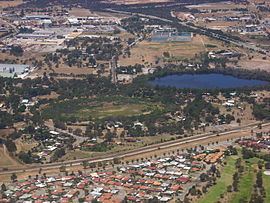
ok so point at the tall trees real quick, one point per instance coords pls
(13, 177)
(16, 50)
(11, 146)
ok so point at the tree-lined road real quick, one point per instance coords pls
(151, 148)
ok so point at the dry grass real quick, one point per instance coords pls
(132, 2)
(24, 146)
(219, 5)
(5, 4)
(255, 64)
(147, 52)
(81, 12)
(49, 96)
(6, 161)
(4, 133)
(220, 24)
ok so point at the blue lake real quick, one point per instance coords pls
(204, 81)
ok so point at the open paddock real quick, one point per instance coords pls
(151, 52)
(6, 4)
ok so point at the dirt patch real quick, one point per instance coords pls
(49, 96)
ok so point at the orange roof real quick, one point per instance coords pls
(89, 199)
(127, 185)
(26, 191)
(26, 183)
(140, 194)
(175, 186)
(35, 196)
(157, 183)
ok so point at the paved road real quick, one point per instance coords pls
(113, 66)
(194, 139)
(79, 139)
(113, 62)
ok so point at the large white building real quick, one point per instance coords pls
(14, 70)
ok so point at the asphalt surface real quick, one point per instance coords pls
(142, 150)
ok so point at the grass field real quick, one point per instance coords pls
(266, 184)
(99, 108)
(245, 185)
(112, 110)
(221, 187)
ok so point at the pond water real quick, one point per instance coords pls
(208, 81)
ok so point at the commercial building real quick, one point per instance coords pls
(171, 35)
(14, 70)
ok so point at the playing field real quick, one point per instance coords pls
(98, 108)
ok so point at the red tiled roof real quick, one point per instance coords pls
(81, 186)
(118, 183)
(26, 191)
(183, 179)
(96, 179)
(44, 197)
(64, 199)
(132, 198)
(104, 180)
(35, 196)
(126, 179)
(89, 199)
(111, 182)
(127, 185)
(18, 194)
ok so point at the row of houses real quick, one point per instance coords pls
(256, 142)
(162, 178)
